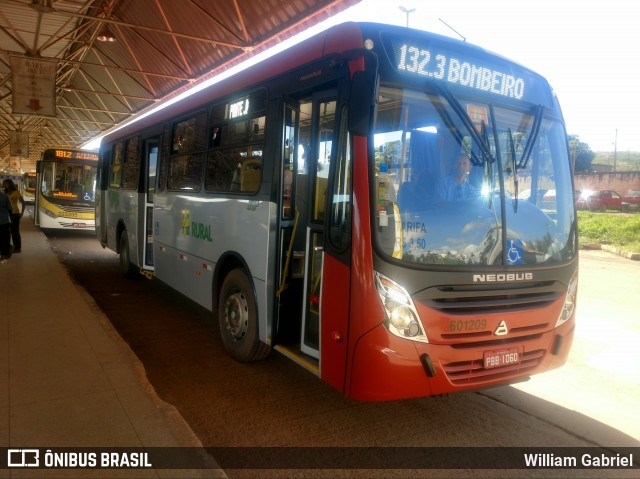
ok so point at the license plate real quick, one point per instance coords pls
(501, 357)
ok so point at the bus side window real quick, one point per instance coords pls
(185, 172)
(216, 136)
(131, 166)
(250, 174)
(234, 161)
(186, 162)
(289, 155)
(221, 170)
(230, 170)
(340, 219)
(164, 157)
(324, 144)
(116, 166)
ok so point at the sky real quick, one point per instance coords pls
(588, 50)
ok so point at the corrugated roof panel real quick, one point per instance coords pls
(162, 47)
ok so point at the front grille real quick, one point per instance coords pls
(495, 342)
(481, 336)
(468, 372)
(76, 208)
(490, 298)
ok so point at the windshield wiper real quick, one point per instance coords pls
(535, 130)
(462, 114)
(485, 138)
(514, 173)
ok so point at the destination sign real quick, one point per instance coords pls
(467, 67)
(238, 108)
(75, 155)
(64, 194)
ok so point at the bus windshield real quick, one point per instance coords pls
(463, 182)
(29, 186)
(68, 181)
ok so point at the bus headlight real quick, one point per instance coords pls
(569, 301)
(401, 317)
(49, 213)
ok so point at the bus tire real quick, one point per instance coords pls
(126, 267)
(238, 318)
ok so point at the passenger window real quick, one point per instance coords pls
(325, 144)
(188, 135)
(185, 172)
(164, 158)
(340, 220)
(116, 166)
(288, 162)
(234, 169)
(131, 165)
(236, 144)
(186, 164)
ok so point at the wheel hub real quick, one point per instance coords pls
(236, 314)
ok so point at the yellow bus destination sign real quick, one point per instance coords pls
(75, 155)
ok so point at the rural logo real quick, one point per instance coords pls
(185, 222)
(193, 228)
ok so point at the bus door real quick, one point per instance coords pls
(308, 142)
(102, 195)
(316, 145)
(151, 149)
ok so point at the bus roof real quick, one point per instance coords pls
(339, 39)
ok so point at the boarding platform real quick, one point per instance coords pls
(67, 379)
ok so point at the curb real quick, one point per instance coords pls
(612, 250)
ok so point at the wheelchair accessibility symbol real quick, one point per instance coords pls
(514, 252)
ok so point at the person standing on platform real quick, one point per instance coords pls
(17, 204)
(5, 225)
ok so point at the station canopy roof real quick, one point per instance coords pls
(71, 70)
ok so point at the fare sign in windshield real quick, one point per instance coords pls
(466, 66)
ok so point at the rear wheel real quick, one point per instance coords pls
(238, 318)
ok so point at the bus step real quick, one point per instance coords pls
(146, 273)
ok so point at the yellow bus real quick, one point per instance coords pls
(65, 188)
(28, 187)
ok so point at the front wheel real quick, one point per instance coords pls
(238, 319)
(127, 269)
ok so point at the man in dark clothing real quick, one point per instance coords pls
(5, 226)
(16, 201)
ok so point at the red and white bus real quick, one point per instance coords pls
(298, 201)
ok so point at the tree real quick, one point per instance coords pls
(581, 154)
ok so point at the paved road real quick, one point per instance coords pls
(602, 378)
(276, 403)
